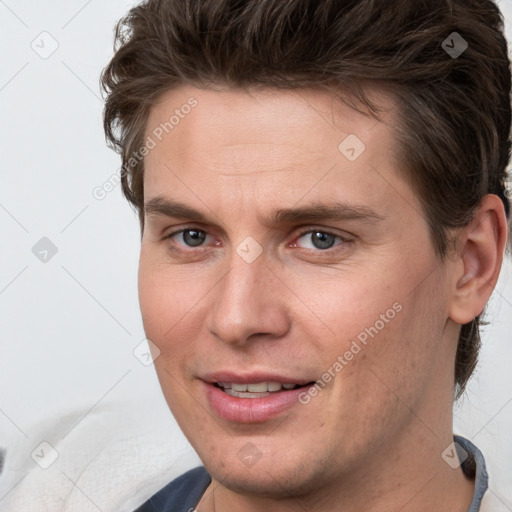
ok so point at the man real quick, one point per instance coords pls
(321, 191)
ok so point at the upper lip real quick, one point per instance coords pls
(252, 378)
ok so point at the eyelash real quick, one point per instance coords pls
(344, 241)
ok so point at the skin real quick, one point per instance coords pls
(373, 438)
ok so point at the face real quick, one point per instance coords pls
(278, 251)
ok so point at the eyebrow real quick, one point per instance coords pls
(333, 211)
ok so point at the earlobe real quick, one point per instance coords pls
(482, 245)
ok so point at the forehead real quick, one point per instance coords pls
(248, 143)
(237, 116)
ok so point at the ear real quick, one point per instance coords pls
(481, 249)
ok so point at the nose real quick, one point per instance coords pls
(249, 303)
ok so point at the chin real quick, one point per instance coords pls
(267, 479)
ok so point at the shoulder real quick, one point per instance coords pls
(180, 495)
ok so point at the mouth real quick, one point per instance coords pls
(253, 400)
(257, 390)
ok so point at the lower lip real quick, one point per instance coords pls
(252, 410)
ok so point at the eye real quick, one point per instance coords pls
(189, 237)
(317, 239)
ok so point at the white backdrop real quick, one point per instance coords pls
(69, 317)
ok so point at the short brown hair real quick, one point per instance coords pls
(454, 110)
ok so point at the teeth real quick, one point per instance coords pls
(245, 394)
(275, 386)
(259, 388)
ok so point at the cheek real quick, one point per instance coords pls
(397, 365)
(381, 331)
(154, 300)
(354, 309)
(165, 301)
(165, 306)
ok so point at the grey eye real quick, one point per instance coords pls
(193, 237)
(322, 240)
